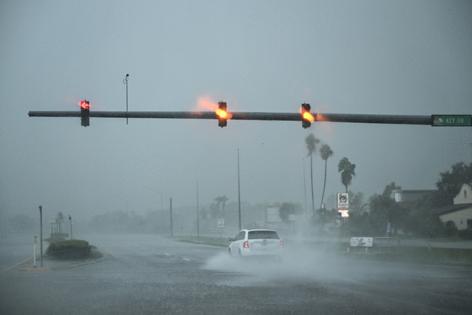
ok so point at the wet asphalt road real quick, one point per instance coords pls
(147, 274)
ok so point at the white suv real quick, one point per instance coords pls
(257, 242)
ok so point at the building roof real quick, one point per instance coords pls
(452, 208)
(415, 191)
(412, 195)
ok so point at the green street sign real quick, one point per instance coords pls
(452, 120)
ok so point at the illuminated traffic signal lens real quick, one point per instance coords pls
(222, 114)
(306, 115)
(84, 104)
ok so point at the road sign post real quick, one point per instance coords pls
(343, 204)
(41, 234)
(35, 244)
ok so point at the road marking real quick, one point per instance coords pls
(24, 261)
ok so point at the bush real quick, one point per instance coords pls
(69, 249)
(466, 234)
(450, 228)
(56, 237)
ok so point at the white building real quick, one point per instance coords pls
(461, 212)
(464, 196)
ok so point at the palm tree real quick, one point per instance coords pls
(325, 152)
(311, 142)
(347, 170)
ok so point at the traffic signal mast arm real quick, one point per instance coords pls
(319, 117)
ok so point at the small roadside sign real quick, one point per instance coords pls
(343, 201)
(362, 241)
(220, 223)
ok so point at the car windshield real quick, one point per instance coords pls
(260, 235)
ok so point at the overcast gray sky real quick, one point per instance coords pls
(385, 57)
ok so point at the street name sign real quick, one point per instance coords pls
(452, 120)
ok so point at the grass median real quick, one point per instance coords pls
(205, 240)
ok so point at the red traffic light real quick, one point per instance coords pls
(84, 104)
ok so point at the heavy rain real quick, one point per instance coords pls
(235, 157)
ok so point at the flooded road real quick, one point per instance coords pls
(148, 274)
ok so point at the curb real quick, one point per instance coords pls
(26, 265)
(24, 261)
(200, 242)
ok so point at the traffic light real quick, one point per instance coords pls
(222, 114)
(306, 115)
(85, 113)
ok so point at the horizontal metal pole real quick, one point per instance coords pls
(377, 119)
(121, 114)
(320, 117)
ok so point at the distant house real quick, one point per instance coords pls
(460, 214)
(464, 196)
(412, 195)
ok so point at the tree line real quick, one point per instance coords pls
(381, 214)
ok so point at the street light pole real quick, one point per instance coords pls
(198, 211)
(304, 188)
(41, 234)
(239, 197)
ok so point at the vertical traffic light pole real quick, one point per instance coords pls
(41, 234)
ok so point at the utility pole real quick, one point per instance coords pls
(41, 234)
(70, 226)
(198, 211)
(239, 196)
(304, 187)
(171, 219)
(312, 191)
